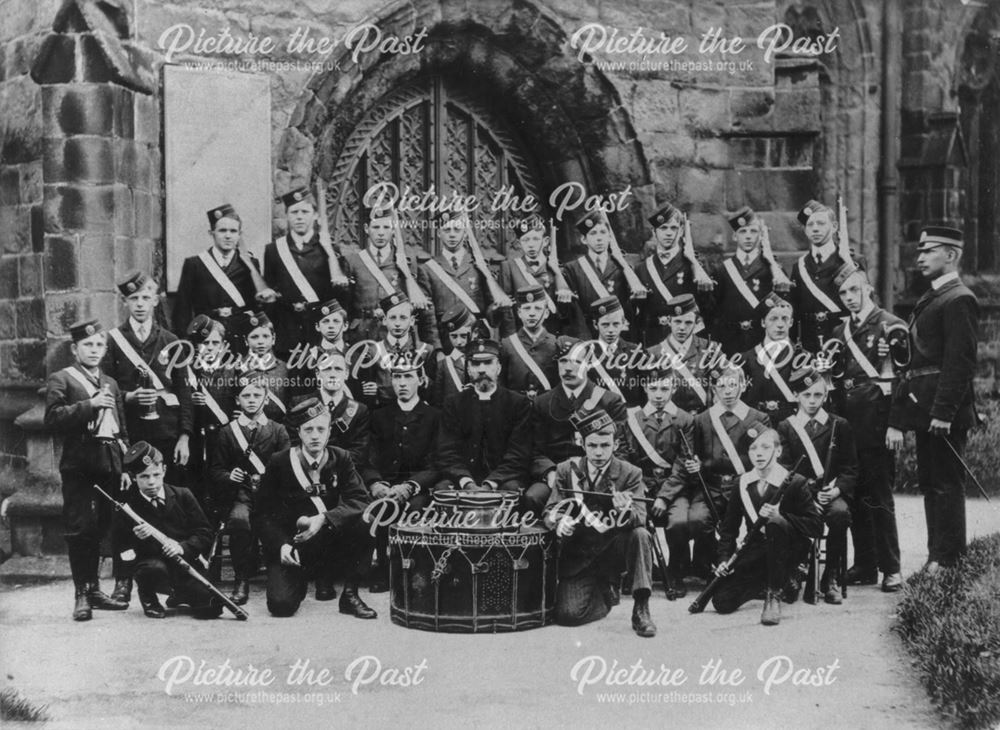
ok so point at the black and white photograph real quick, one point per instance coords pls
(500, 363)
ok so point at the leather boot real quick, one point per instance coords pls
(123, 591)
(830, 590)
(325, 590)
(150, 603)
(241, 592)
(81, 608)
(771, 615)
(858, 576)
(892, 582)
(101, 601)
(675, 587)
(642, 622)
(351, 603)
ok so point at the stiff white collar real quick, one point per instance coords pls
(741, 410)
(408, 405)
(245, 421)
(223, 259)
(944, 279)
(669, 408)
(825, 251)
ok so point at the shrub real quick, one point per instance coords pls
(14, 708)
(950, 623)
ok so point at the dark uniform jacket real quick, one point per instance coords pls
(586, 544)
(68, 413)
(449, 378)
(291, 323)
(403, 446)
(944, 332)
(666, 439)
(198, 292)
(173, 420)
(265, 441)
(815, 321)
(511, 279)
(486, 440)
(366, 293)
(275, 371)
(716, 468)
(797, 506)
(554, 434)
(516, 375)
(180, 519)
(678, 278)
(349, 425)
(282, 499)
(858, 397)
(843, 462)
(737, 326)
(763, 392)
(698, 359)
(467, 277)
(613, 279)
(375, 362)
(620, 367)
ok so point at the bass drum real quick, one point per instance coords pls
(480, 583)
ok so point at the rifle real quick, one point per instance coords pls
(699, 603)
(499, 296)
(413, 290)
(563, 292)
(843, 242)
(215, 570)
(778, 275)
(701, 277)
(646, 500)
(812, 575)
(337, 277)
(639, 291)
(689, 454)
(179, 559)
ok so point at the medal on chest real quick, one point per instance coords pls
(680, 277)
(755, 284)
(869, 341)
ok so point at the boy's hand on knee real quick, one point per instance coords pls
(659, 507)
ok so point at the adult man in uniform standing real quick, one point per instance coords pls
(936, 399)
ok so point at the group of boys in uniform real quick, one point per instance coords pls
(329, 379)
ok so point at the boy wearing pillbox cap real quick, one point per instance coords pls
(614, 364)
(238, 460)
(85, 407)
(682, 350)
(349, 418)
(258, 331)
(528, 357)
(457, 327)
(769, 365)
(601, 534)
(308, 514)
(772, 554)
(595, 274)
(330, 322)
(175, 512)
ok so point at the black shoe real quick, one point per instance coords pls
(642, 622)
(675, 588)
(771, 615)
(123, 591)
(212, 610)
(325, 591)
(81, 608)
(241, 592)
(101, 601)
(151, 605)
(790, 593)
(351, 603)
(857, 576)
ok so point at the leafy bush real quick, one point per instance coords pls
(981, 454)
(950, 623)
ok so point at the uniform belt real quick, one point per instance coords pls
(225, 312)
(918, 372)
(744, 325)
(820, 316)
(769, 405)
(296, 306)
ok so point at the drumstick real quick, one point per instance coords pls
(647, 500)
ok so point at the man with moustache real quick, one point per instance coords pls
(936, 399)
(486, 431)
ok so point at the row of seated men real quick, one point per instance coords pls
(680, 424)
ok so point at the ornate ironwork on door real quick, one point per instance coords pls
(424, 137)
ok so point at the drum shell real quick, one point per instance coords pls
(490, 583)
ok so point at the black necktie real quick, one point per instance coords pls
(728, 419)
(659, 416)
(378, 256)
(158, 503)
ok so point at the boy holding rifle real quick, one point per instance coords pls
(659, 433)
(174, 512)
(238, 461)
(780, 498)
(830, 462)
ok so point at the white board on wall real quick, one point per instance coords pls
(217, 149)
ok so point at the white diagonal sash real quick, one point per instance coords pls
(108, 427)
(449, 365)
(862, 359)
(764, 358)
(605, 376)
(244, 445)
(210, 402)
(818, 294)
(529, 362)
(632, 418)
(221, 279)
(299, 279)
(741, 284)
(798, 425)
(303, 480)
(276, 400)
(79, 377)
(745, 481)
(593, 278)
(133, 357)
(681, 367)
(530, 278)
(453, 286)
(376, 272)
(727, 443)
(658, 282)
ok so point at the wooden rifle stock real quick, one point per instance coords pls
(699, 603)
(843, 242)
(413, 290)
(179, 559)
(689, 453)
(337, 276)
(563, 292)
(635, 286)
(499, 296)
